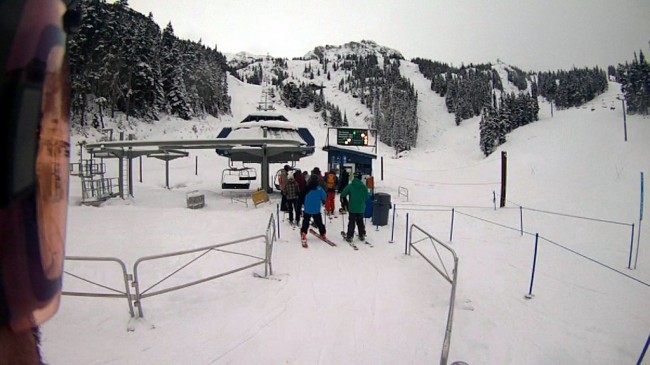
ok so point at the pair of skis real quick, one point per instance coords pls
(331, 243)
(303, 241)
(352, 243)
(313, 231)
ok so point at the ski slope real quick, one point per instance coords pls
(334, 305)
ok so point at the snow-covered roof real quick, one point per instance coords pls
(271, 124)
(268, 129)
(264, 115)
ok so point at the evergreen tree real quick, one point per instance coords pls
(173, 84)
(571, 88)
(488, 128)
(635, 84)
(118, 64)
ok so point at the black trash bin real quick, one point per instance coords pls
(380, 208)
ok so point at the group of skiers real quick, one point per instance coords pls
(308, 192)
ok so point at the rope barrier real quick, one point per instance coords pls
(569, 215)
(445, 206)
(426, 210)
(495, 223)
(559, 245)
(579, 217)
(595, 261)
(406, 205)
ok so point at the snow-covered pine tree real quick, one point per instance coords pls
(176, 97)
(488, 131)
(635, 84)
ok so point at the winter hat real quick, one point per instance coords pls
(287, 167)
(315, 171)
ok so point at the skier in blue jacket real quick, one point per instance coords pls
(314, 198)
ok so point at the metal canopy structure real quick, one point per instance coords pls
(251, 150)
(272, 128)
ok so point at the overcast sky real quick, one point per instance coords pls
(530, 34)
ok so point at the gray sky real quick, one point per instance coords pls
(530, 34)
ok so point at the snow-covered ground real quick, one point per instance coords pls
(333, 305)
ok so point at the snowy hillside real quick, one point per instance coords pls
(333, 305)
(363, 48)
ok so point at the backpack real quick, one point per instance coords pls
(331, 181)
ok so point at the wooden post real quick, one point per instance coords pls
(504, 174)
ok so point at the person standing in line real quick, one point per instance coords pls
(321, 180)
(282, 180)
(292, 193)
(302, 185)
(358, 193)
(331, 182)
(344, 180)
(314, 198)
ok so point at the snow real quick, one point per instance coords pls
(333, 305)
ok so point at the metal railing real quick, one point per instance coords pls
(402, 191)
(99, 189)
(87, 168)
(126, 294)
(135, 300)
(451, 278)
(147, 293)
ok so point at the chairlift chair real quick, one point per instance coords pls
(238, 178)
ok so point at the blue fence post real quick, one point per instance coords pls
(392, 231)
(645, 348)
(629, 261)
(638, 235)
(451, 231)
(406, 241)
(532, 277)
(278, 213)
(521, 220)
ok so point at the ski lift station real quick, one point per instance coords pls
(270, 127)
(261, 138)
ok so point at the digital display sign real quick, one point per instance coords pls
(352, 137)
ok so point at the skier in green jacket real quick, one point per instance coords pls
(358, 193)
